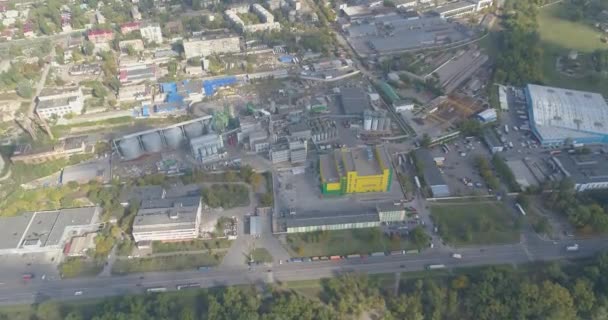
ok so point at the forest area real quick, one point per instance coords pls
(557, 291)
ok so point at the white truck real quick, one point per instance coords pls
(572, 248)
(435, 266)
(456, 256)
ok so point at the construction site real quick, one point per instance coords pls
(445, 112)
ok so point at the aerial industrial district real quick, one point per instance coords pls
(157, 147)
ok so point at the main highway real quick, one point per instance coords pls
(36, 290)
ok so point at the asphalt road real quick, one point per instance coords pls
(20, 292)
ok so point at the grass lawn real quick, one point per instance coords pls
(193, 245)
(344, 242)
(475, 222)
(261, 255)
(166, 263)
(74, 267)
(556, 29)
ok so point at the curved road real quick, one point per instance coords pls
(19, 292)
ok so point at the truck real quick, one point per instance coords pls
(456, 256)
(572, 247)
(435, 266)
(157, 289)
(506, 128)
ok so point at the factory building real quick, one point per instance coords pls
(175, 219)
(560, 115)
(356, 170)
(323, 130)
(587, 171)
(353, 100)
(432, 175)
(298, 149)
(492, 142)
(310, 222)
(279, 153)
(212, 43)
(207, 148)
(59, 102)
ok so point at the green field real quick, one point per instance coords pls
(559, 36)
(475, 222)
(344, 242)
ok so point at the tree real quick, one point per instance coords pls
(426, 140)
(88, 48)
(419, 237)
(49, 311)
(24, 89)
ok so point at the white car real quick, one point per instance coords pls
(78, 293)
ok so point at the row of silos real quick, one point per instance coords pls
(134, 146)
(376, 121)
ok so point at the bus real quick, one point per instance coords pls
(520, 209)
(157, 289)
(435, 266)
(188, 286)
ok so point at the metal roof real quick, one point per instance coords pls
(333, 218)
(432, 176)
(560, 113)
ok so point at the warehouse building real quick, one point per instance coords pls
(432, 175)
(587, 171)
(59, 102)
(207, 148)
(356, 170)
(175, 219)
(561, 115)
(492, 142)
(334, 221)
(390, 212)
(353, 101)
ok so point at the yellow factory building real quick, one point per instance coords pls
(356, 170)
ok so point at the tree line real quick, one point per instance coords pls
(541, 291)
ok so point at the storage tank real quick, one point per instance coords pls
(375, 123)
(130, 148)
(174, 137)
(152, 142)
(194, 129)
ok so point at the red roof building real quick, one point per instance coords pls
(100, 36)
(129, 27)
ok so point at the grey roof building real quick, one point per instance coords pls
(353, 100)
(432, 176)
(141, 193)
(587, 171)
(45, 231)
(168, 219)
(330, 221)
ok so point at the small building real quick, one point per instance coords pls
(139, 73)
(391, 212)
(255, 225)
(487, 116)
(403, 105)
(432, 176)
(455, 9)
(137, 45)
(492, 142)
(80, 245)
(138, 194)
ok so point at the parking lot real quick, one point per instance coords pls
(459, 169)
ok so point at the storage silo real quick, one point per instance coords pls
(367, 121)
(194, 129)
(174, 137)
(381, 122)
(387, 124)
(375, 123)
(152, 142)
(130, 148)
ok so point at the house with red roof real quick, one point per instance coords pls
(129, 27)
(100, 35)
